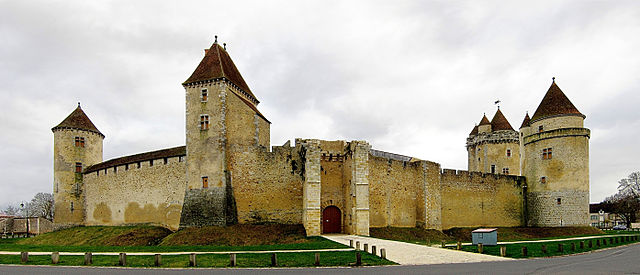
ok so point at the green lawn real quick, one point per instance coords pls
(535, 249)
(303, 259)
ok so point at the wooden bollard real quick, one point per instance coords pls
(383, 253)
(55, 257)
(157, 260)
(480, 248)
(524, 251)
(274, 259)
(350, 243)
(122, 259)
(544, 249)
(358, 259)
(366, 247)
(373, 250)
(573, 246)
(590, 243)
(581, 244)
(503, 251)
(317, 262)
(560, 247)
(604, 241)
(24, 257)
(88, 258)
(627, 238)
(232, 259)
(459, 245)
(598, 242)
(357, 245)
(192, 260)
(443, 243)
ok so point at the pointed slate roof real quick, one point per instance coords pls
(499, 122)
(484, 121)
(474, 131)
(525, 122)
(78, 120)
(216, 64)
(554, 103)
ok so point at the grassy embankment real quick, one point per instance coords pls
(203, 239)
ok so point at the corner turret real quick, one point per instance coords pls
(493, 148)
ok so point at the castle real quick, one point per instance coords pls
(229, 173)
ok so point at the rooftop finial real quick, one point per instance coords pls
(553, 79)
(224, 45)
(216, 41)
(78, 104)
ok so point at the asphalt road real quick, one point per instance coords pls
(621, 260)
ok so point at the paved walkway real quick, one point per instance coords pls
(415, 254)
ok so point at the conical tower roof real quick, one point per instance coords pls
(217, 64)
(499, 122)
(78, 120)
(554, 103)
(525, 122)
(474, 131)
(484, 121)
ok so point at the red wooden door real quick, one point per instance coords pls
(331, 220)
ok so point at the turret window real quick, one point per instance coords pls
(559, 201)
(204, 95)
(493, 169)
(508, 153)
(204, 122)
(547, 153)
(205, 182)
(540, 129)
(505, 170)
(79, 142)
(543, 180)
(78, 167)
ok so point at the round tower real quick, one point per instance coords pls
(494, 146)
(77, 144)
(556, 165)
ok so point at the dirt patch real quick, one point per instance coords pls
(525, 233)
(238, 235)
(413, 235)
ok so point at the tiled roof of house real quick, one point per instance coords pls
(78, 120)
(484, 120)
(164, 153)
(525, 122)
(218, 64)
(499, 122)
(474, 131)
(554, 103)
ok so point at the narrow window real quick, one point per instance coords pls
(204, 122)
(549, 153)
(78, 167)
(205, 94)
(82, 142)
(505, 170)
(77, 142)
(105, 171)
(71, 207)
(205, 182)
(126, 167)
(115, 169)
(544, 153)
(138, 164)
(543, 180)
(150, 163)
(508, 153)
(98, 173)
(493, 169)
(166, 160)
(559, 201)
(540, 129)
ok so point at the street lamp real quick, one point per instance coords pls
(27, 212)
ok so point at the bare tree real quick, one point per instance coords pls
(41, 205)
(630, 185)
(626, 203)
(11, 210)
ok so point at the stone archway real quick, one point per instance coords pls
(331, 220)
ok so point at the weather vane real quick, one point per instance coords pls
(497, 103)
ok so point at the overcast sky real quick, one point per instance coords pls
(410, 77)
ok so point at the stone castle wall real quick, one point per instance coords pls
(477, 199)
(152, 193)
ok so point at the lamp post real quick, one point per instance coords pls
(26, 211)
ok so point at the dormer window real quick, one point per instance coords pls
(543, 180)
(204, 95)
(204, 122)
(540, 129)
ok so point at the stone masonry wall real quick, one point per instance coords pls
(150, 194)
(476, 199)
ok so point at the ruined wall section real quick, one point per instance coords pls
(125, 194)
(476, 199)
